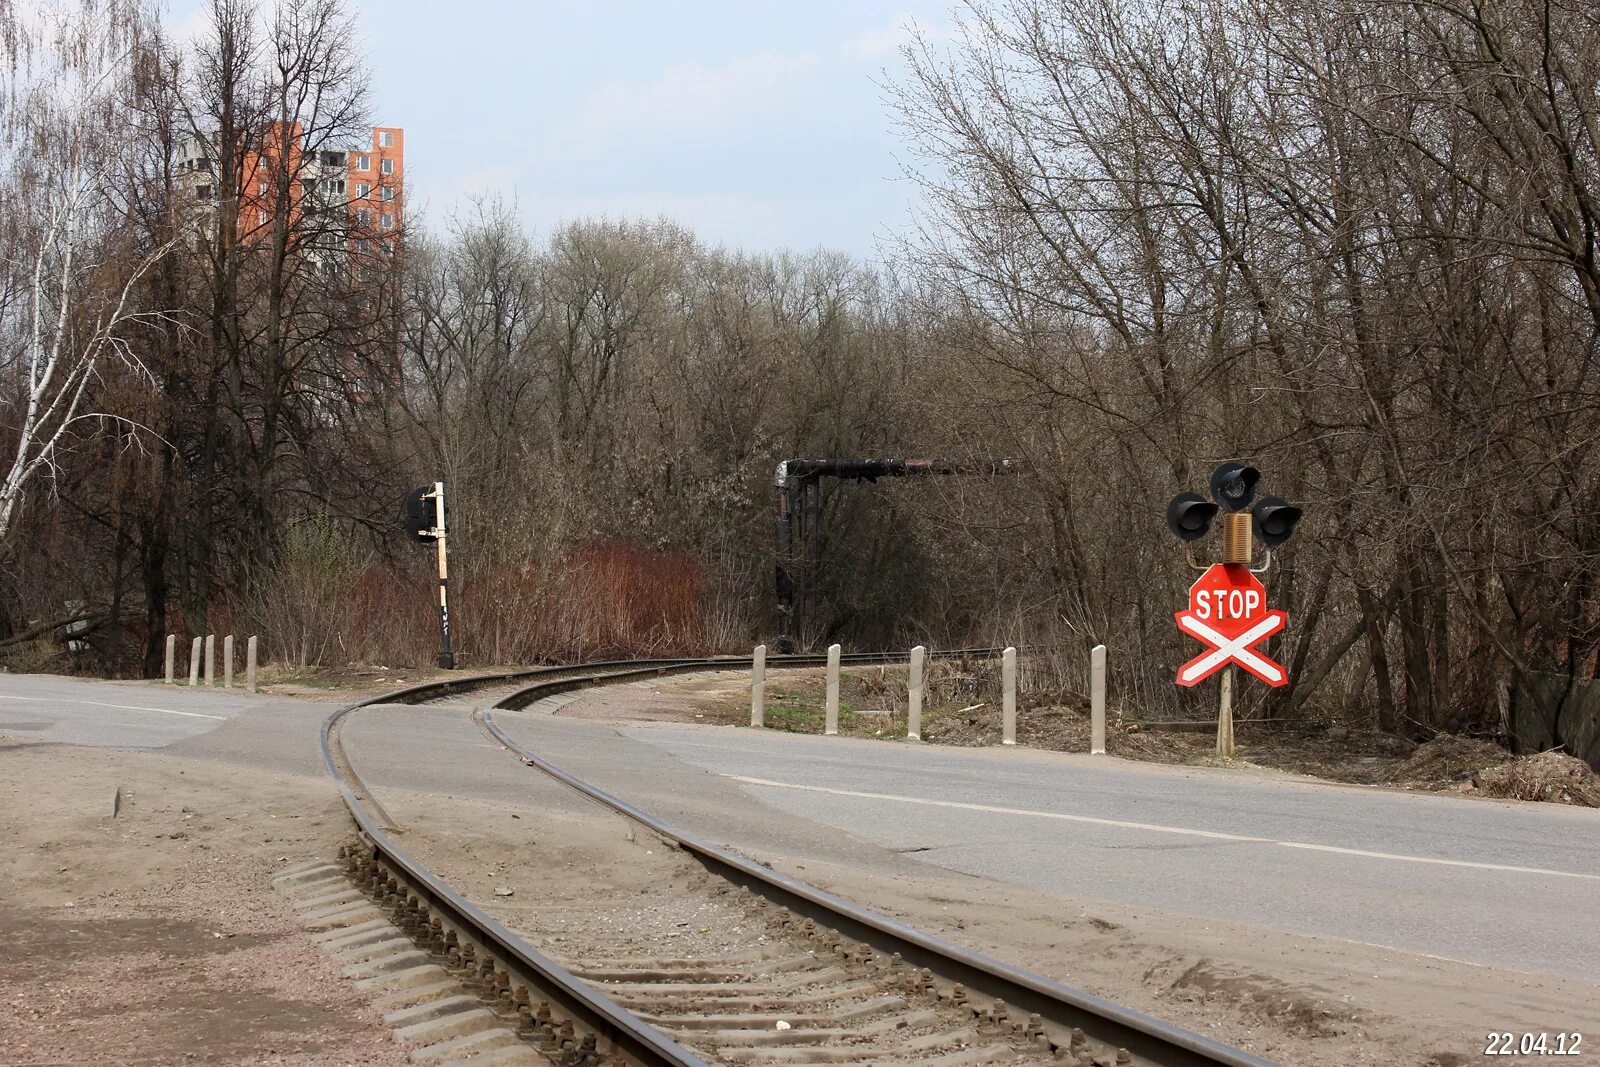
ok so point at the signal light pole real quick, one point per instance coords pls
(1228, 604)
(425, 520)
(447, 656)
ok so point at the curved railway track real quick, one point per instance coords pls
(810, 977)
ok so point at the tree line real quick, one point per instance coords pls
(1351, 241)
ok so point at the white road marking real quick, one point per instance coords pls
(1157, 828)
(993, 810)
(1440, 862)
(124, 707)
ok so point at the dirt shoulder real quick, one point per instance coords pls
(154, 936)
(346, 684)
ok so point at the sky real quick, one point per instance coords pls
(757, 124)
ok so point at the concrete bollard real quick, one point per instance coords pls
(211, 659)
(172, 657)
(227, 662)
(914, 696)
(250, 664)
(758, 687)
(194, 662)
(1008, 713)
(1097, 701)
(832, 724)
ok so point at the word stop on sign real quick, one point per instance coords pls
(1228, 614)
(1227, 605)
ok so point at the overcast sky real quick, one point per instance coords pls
(759, 124)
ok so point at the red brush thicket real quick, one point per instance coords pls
(605, 599)
(622, 599)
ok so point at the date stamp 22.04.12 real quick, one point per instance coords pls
(1506, 1043)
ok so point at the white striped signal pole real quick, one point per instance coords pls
(424, 517)
(447, 657)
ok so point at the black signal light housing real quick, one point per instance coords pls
(1233, 485)
(1189, 516)
(417, 515)
(1274, 519)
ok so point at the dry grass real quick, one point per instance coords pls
(1554, 777)
(1447, 761)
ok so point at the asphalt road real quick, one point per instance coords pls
(1499, 884)
(115, 714)
(1511, 886)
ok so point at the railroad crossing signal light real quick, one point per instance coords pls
(1275, 519)
(1189, 516)
(1233, 484)
(417, 514)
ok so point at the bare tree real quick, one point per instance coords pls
(70, 266)
(1352, 241)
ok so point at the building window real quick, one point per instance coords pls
(363, 163)
(261, 217)
(203, 192)
(388, 166)
(388, 220)
(388, 193)
(388, 247)
(386, 139)
(363, 190)
(261, 189)
(336, 186)
(364, 217)
(363, 245)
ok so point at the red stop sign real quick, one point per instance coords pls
(1228, 614)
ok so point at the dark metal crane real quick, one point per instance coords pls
(799, 563)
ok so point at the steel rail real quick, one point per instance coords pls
(596, 1013)
(1149, 1039)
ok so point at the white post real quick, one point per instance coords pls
(194, 662)
(172, 656)
(447, 656)
(250, 664)
(758, 687)
(211, 659)
(914, 696)
(832, 724)
(1008, 714)
(1097, 701)
(227, 662)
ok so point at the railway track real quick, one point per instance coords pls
(792, 975)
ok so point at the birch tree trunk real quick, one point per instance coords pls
(64, 121)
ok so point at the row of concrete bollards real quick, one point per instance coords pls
(209, 642)
(1008, 704)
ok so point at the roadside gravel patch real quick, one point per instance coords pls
(155, 937)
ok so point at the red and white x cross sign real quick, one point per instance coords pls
(1228, 613)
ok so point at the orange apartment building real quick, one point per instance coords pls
(366, 180)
